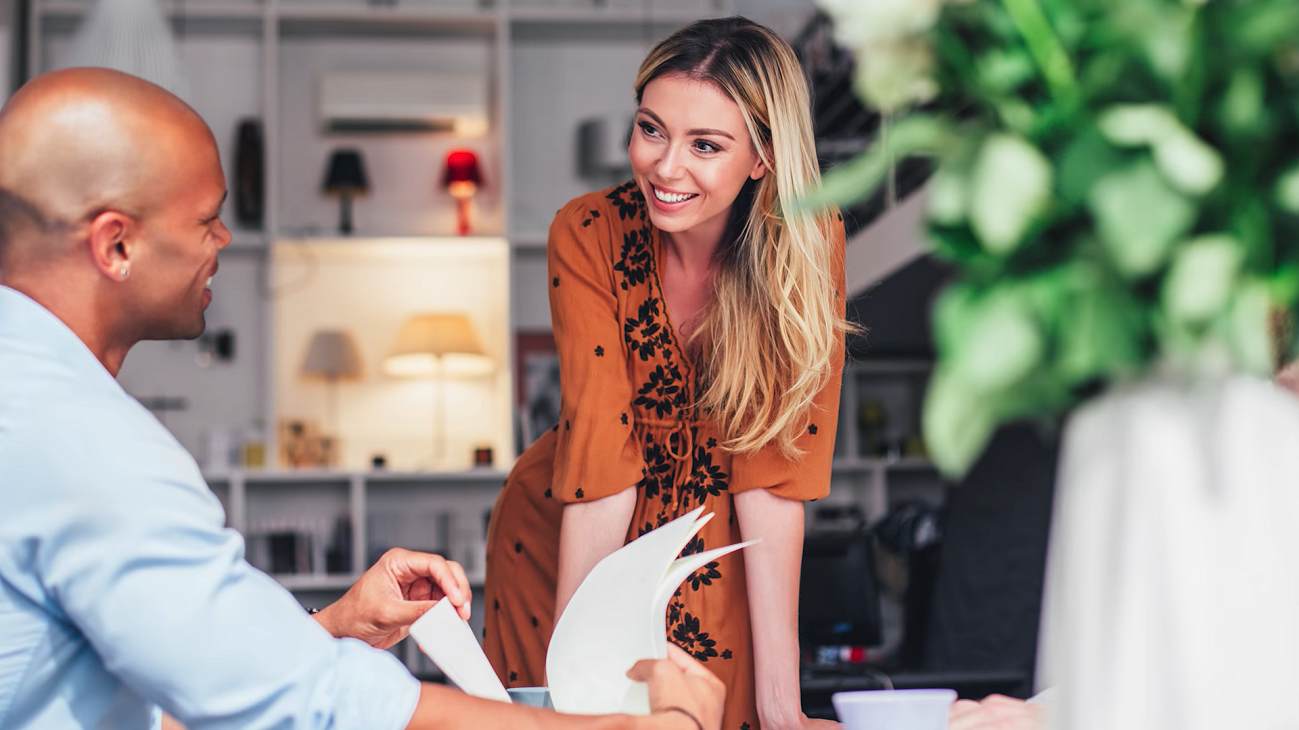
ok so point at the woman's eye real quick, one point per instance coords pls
(706, 146)
(648, 129)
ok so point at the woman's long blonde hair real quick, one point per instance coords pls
(765, 345)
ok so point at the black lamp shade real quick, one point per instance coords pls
(346, 173)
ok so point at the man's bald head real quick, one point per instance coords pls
(79, 141)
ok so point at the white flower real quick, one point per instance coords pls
(862, 23)
(893, 75)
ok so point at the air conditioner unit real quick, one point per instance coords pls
(404, 101)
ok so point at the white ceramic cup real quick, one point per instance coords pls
(531, 696)
(900, 709)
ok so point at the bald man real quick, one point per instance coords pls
(120, 590)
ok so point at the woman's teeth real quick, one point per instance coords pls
(209, 281)
(673, 197)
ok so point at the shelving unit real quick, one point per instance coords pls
(873, 467)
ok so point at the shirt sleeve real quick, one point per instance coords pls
(140, 563)
(595, 453)
(807, 478)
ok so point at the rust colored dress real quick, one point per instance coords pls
(625, 420)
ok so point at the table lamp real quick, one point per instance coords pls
(345, 178)
(332, 356)
(461, 179)
(438, 345)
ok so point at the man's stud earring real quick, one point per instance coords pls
(124, 272)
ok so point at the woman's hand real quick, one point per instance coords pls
(997, 712)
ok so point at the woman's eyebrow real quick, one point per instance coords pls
(692, 132)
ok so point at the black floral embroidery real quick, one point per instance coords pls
(579, 494)
(656, 475)
(812, 429)
(518, 547)
(706, 478)
(549, 493)
(708, 573)
(674, 612)
(704, 576)
(599, 351)
(628, 199)
(644, 333)
(726, 654)
(689, 637)
(660, 393)
(623, 418)
(635, 259)
(711, 443)
(514, 676)
(554, 281)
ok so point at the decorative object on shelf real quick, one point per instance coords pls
(332, 356)
(461, 178)
(1117, 189)
(483, 456)
(874, 421)
(250, 174)
(602, 148)
(132, 36)
(345, 178)
(302, 447)
(438, 345)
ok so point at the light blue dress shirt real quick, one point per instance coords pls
(120, 589)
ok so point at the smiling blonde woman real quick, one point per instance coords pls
(699, 323)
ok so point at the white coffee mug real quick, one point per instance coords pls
(900, 709)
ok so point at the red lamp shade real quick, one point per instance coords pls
(462, 176)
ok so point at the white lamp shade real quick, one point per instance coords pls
(437, 343)
(332, 355)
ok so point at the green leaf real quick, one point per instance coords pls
(1084, 161)
(948, 196)
(953, 314)
(1249, 333)
(1001, 71)
(1001, 343)
(1200, 283)
(1102, 336)
(859, 178)
(1136, 124)
(1139, 217)
(1187, 162)
(1011, 187)
(1242, 110)
(957, 424)
(1287, 190)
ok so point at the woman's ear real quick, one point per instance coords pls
(759, 169)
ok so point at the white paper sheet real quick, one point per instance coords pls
(447, 640)
(617, 617)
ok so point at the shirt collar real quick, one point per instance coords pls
(28, 325)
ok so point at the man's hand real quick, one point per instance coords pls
(996, 712)
(683, 683)
(380, 607)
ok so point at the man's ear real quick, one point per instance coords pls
(110, 241)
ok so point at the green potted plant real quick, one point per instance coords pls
(1117, 185)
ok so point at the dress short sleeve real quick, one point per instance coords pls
(806, 478)
(595, 452)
